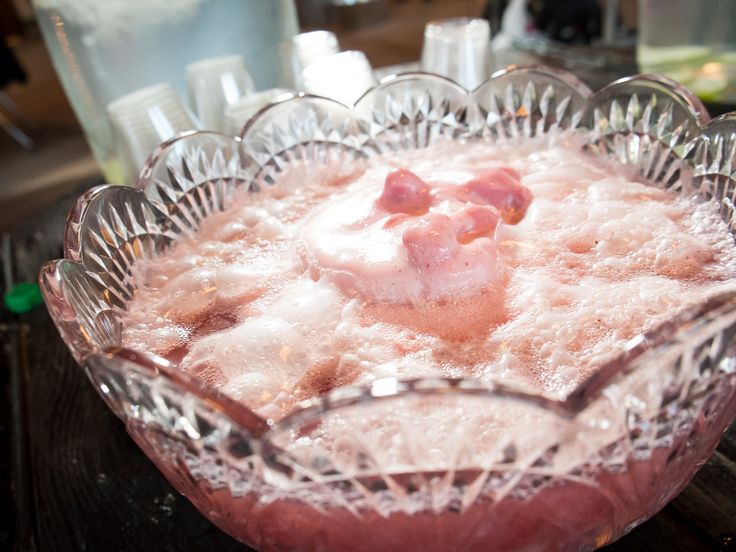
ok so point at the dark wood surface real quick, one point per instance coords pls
(73, 480)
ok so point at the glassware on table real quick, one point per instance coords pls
(604, 459)
(691, 42)
(344, 77)
(459, 49)
(302, 50)
(214, 84)
(103, 50)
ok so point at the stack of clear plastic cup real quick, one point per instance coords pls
(459, 49)
(303, 50)
(143, 119)
(214, 84)
(238, 113)
(344, 77)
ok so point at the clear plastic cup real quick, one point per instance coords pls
(344, 77)
(303, 50)
(238, 113)
(459, 49)
(215, 83)
(104, 49)
(143, 119)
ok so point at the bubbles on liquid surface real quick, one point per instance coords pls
(429, 272)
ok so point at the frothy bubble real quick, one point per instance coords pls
(347, 279)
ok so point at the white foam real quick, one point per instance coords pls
(308, 276)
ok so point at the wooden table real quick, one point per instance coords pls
(73, 480)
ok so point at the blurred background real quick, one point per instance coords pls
(207, 63)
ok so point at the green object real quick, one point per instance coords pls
(24, 297)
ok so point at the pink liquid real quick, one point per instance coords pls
(562, 516)
(528, 264)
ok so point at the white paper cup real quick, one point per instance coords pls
(343, 77)
(215, 83)
(459, 49)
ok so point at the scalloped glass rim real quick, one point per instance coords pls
(674, 330)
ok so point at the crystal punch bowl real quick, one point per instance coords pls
(602, 460)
